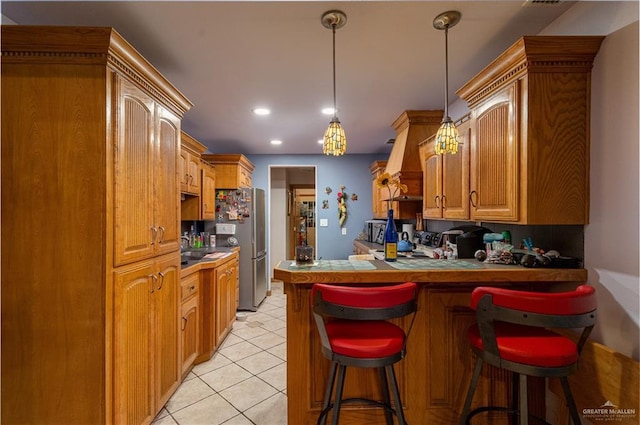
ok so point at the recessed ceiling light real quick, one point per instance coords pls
(276, 142)
(261, 111)
(327, 111)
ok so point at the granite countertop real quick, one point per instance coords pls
(193, 260)
(425, 270)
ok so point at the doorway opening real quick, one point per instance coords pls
(292, 210)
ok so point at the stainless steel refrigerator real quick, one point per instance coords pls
(244, 209)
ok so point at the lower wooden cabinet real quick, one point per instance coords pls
(146, 363)
(189, 322)
(218, 301)
(226, 279)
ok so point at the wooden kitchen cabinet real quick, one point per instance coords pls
(233, 171)
(218, 301)
(530, 120)
(379, 207)
(190, 152)
(226, 281)
(190, 322)
(145, 184)
(98, 343)
(208, 196)
(146, 367)
(446, 177)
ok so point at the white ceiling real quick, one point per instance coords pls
(229, 57)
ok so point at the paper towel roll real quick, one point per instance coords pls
(410, 229)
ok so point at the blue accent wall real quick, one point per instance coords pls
(352, 171)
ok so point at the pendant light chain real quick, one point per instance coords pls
(446, 73)
(335, 110)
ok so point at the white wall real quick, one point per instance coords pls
(611, 238)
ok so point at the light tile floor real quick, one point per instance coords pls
(245, 382)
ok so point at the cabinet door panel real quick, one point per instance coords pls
(166, 327)
(494, 158)
(432, 182)
(190, 329)
(133, 382)
(455, 177)
(166, 182)
(208, 193)
(134, 158)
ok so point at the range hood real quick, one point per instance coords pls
(412, 127)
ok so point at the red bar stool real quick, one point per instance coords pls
(354, 331)
(511, 333)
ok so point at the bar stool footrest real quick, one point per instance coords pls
(501, 409)
(385, 406)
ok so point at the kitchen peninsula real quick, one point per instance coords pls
(434, 376)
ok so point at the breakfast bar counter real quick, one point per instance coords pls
(435, 374)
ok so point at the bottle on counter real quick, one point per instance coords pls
(390, 239)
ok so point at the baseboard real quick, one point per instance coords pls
(604, 378)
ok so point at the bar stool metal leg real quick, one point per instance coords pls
(524, 410)
(514, 397)
(322, 420)
(385, 396)
(338, 401)
(575, 417)
(396, 395)
(472, 390)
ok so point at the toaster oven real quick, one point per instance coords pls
(375, 231)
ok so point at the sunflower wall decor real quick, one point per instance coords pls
(393, 186)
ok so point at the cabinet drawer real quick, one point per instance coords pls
(189, 286)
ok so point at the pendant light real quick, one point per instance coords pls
(447, 135)
(335, 142)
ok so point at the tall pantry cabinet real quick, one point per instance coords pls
(90, 229)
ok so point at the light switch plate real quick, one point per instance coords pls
(324, 222)
(344, 230)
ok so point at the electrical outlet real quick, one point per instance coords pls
(324, 222)
(344, 230)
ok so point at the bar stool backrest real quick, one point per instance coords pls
(572, 309)
(362, 303)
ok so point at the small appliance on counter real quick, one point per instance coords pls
(375, 231)
(468, 239)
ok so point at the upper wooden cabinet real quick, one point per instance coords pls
(446, 177)
(198, 182)
(98, 129)
(208, 197)
(232, 170)
(530, 108)
(145, 177)
(378, 206)
(190, 176)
